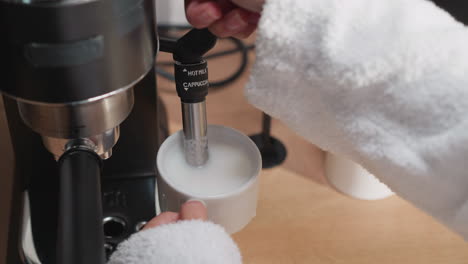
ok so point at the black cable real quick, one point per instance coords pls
(166, 75)
(243, 66)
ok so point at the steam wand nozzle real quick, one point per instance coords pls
(191, 77)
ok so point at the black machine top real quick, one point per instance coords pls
(53, 52)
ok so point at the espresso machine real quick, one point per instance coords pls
(79, 92)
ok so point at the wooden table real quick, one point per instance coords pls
(299, 221)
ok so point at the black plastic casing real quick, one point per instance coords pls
(190, 69)
(80, 236)
(191, 81)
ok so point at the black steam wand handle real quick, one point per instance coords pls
(190, 68)
(80, 236)
(191, 47)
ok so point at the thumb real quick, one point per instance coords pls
(193, 210)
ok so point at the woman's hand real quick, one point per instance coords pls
(192, 210)
(225, 18)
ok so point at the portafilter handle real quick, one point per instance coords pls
(80, 236)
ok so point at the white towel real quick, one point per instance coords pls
(383, 82)
(184, 242)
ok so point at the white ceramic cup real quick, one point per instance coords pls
(235, 206)
(353, 180)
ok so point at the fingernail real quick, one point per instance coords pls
(195, 200)
(235, 23)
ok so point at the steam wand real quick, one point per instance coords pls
(191, 77)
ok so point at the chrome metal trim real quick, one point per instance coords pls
(75, 103)
(27, 248)
(101, 144)
(78, 121)
(140, 225)
(108, 247)
(195, 133)
(114, 219)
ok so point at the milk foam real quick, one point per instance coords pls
(229, 167)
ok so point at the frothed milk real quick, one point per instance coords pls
(227, 183)
(228, 168)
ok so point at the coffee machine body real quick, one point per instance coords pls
(78, 80)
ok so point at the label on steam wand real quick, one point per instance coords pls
(192, 81)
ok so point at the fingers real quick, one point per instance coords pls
(246, 33)
(202, 13)
(162, 219)
(237, 22)
(226, 5)
(222, 17)
(253, 23)
(193, 210)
